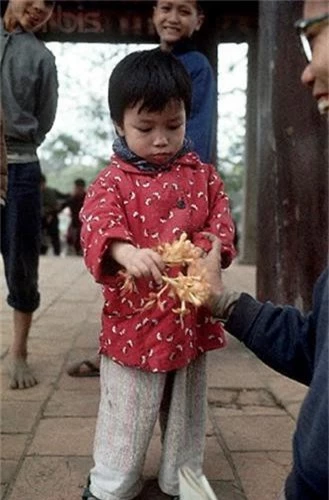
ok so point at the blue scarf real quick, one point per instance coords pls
(121, 149)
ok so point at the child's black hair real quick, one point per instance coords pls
(149, 77)
(197, 4)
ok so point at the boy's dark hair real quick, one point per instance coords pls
(151, 77)
(197, 4)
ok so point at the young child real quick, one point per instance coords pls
(175, 22)
(152, 364)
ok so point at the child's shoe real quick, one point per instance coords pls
(87, 495)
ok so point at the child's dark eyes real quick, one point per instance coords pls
(144, 130)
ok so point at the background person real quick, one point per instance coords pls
(29, 100)
(75, 203)
(175, 22)
(50, 207)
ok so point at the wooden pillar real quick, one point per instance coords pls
(250, 188)
(292, 243)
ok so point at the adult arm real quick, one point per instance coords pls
(47, 95)
(281, 336)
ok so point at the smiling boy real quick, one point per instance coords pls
(175, 22)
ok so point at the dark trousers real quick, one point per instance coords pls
(20, 235)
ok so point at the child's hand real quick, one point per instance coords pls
(138, 261)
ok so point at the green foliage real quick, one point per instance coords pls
(64, 182)
(65, 159)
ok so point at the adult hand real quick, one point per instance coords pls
(139, 262)
(221, 300)
(211, 265)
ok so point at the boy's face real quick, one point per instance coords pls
(176, 19)
(155, 136)
(29, 14)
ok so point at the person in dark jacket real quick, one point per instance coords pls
(288, 341)
(295, 345)
(51, 200)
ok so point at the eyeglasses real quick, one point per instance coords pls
(303, 27)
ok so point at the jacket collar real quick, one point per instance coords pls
(122, 150)
(190, 160)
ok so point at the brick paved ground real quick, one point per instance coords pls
(47, 431)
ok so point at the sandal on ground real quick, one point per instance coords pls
(84, 368)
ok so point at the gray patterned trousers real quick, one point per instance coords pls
(130, 404)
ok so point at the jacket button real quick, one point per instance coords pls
(180, 203)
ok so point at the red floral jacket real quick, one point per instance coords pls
(146, 209)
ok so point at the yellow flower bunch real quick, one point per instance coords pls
(190, 286)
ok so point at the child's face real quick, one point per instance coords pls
(29, 14)
(155, 136)
(176, 19)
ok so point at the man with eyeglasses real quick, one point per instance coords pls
(290, 342)
(313, 31)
